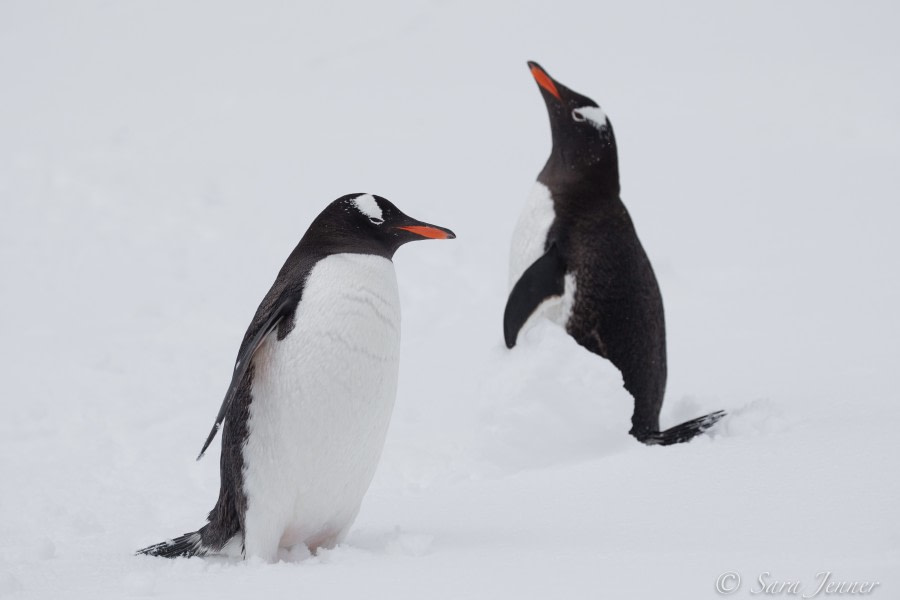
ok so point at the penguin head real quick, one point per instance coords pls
(583, 139)
(370, 224)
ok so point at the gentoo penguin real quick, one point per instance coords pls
(307, 410)
(577, 260)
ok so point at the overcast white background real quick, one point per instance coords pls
(159, 160)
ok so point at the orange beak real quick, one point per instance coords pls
(544, 80)
(430, 232)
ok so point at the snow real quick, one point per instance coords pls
(158, 162)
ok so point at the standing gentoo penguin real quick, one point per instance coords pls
(576, 257)
(313, 388)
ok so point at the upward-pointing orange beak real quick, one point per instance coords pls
(543, 80)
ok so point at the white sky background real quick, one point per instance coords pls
(159, 160)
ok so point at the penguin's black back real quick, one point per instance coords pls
(617, 310)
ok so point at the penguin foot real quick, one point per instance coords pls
(187, 545)
(680, 433)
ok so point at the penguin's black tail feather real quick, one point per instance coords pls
(187, 545)
(680, 433)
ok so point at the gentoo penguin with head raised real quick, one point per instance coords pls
(310, 399)
(577, 260)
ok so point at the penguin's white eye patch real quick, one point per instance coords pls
(376, 220)
(366, 204)
(594, 114)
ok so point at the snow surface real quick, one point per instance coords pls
(158, 162)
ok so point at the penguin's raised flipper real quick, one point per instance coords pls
(252, 341)
(544, 279)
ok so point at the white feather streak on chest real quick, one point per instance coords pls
(530, 233)
(529, 239)
(322, 401)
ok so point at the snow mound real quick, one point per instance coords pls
(549, 401)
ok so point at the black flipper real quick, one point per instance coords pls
(187, 545)
(544, 279)
(251, 343)
(680, 433)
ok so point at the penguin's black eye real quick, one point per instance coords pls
(376, 220)
(576, 115)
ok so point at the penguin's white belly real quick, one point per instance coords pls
(322, 401)
(530, 233)
(528, 242)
